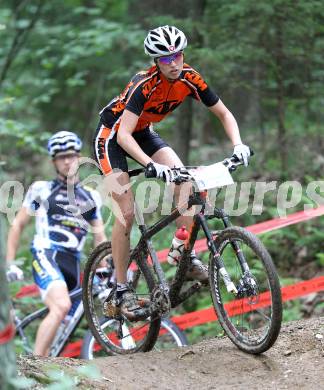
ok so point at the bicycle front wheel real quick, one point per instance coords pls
(251, 318)
(170, 336)
(119, 336)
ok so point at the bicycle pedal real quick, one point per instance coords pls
(135, 315)
(111, 310)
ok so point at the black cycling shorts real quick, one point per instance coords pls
(110, 155)
(51, 265)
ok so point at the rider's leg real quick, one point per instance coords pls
(167, 156)
(123, 209)
(58, 302)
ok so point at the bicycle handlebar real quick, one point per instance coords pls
(182, 174)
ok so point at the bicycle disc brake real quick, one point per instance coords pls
(248, 288)
(160, 299)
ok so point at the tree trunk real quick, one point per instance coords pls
(183, 131)
(280, 92)
(7, 353)
(195, 11)
(19, 40)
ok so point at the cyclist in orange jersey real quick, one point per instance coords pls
(126, 130)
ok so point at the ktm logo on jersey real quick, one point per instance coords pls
(164, 107)
(196, 80)
(119, 107)
(147, 87)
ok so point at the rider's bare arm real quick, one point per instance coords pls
(15, 231)
(229, 122)
(127, 141)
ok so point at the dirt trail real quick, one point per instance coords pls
(295, 362)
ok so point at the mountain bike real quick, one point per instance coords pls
(170, 335)
(243, 281)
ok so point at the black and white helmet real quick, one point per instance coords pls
(164, 40)
(63, 141)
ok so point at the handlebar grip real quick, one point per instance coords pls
(235, 159)
(150, 171)
(11, 277)
(136, 172)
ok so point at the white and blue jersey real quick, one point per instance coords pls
(61, 229)
(59, 224)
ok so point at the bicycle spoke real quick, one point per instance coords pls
(263, 315)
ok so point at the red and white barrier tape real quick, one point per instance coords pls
(7, 333)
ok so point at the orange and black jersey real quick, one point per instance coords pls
(151, 96)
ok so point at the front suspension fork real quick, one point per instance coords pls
(220, 214)
(230, 286)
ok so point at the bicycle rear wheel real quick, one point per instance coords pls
(252, 318)
(120, 336)
(170, 336)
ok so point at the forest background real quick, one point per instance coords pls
(62, 61)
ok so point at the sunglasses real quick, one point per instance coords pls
(63, 156)
(166, 60)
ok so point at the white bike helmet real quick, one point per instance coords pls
(62, 141)
(164, 40)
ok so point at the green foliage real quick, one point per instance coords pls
(320, 259)
(202, 332)
(60, 380)
(23, 383)
(89, 371)
(292, 311)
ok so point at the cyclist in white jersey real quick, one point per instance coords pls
(61, 229)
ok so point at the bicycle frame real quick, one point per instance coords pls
(145, 247)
